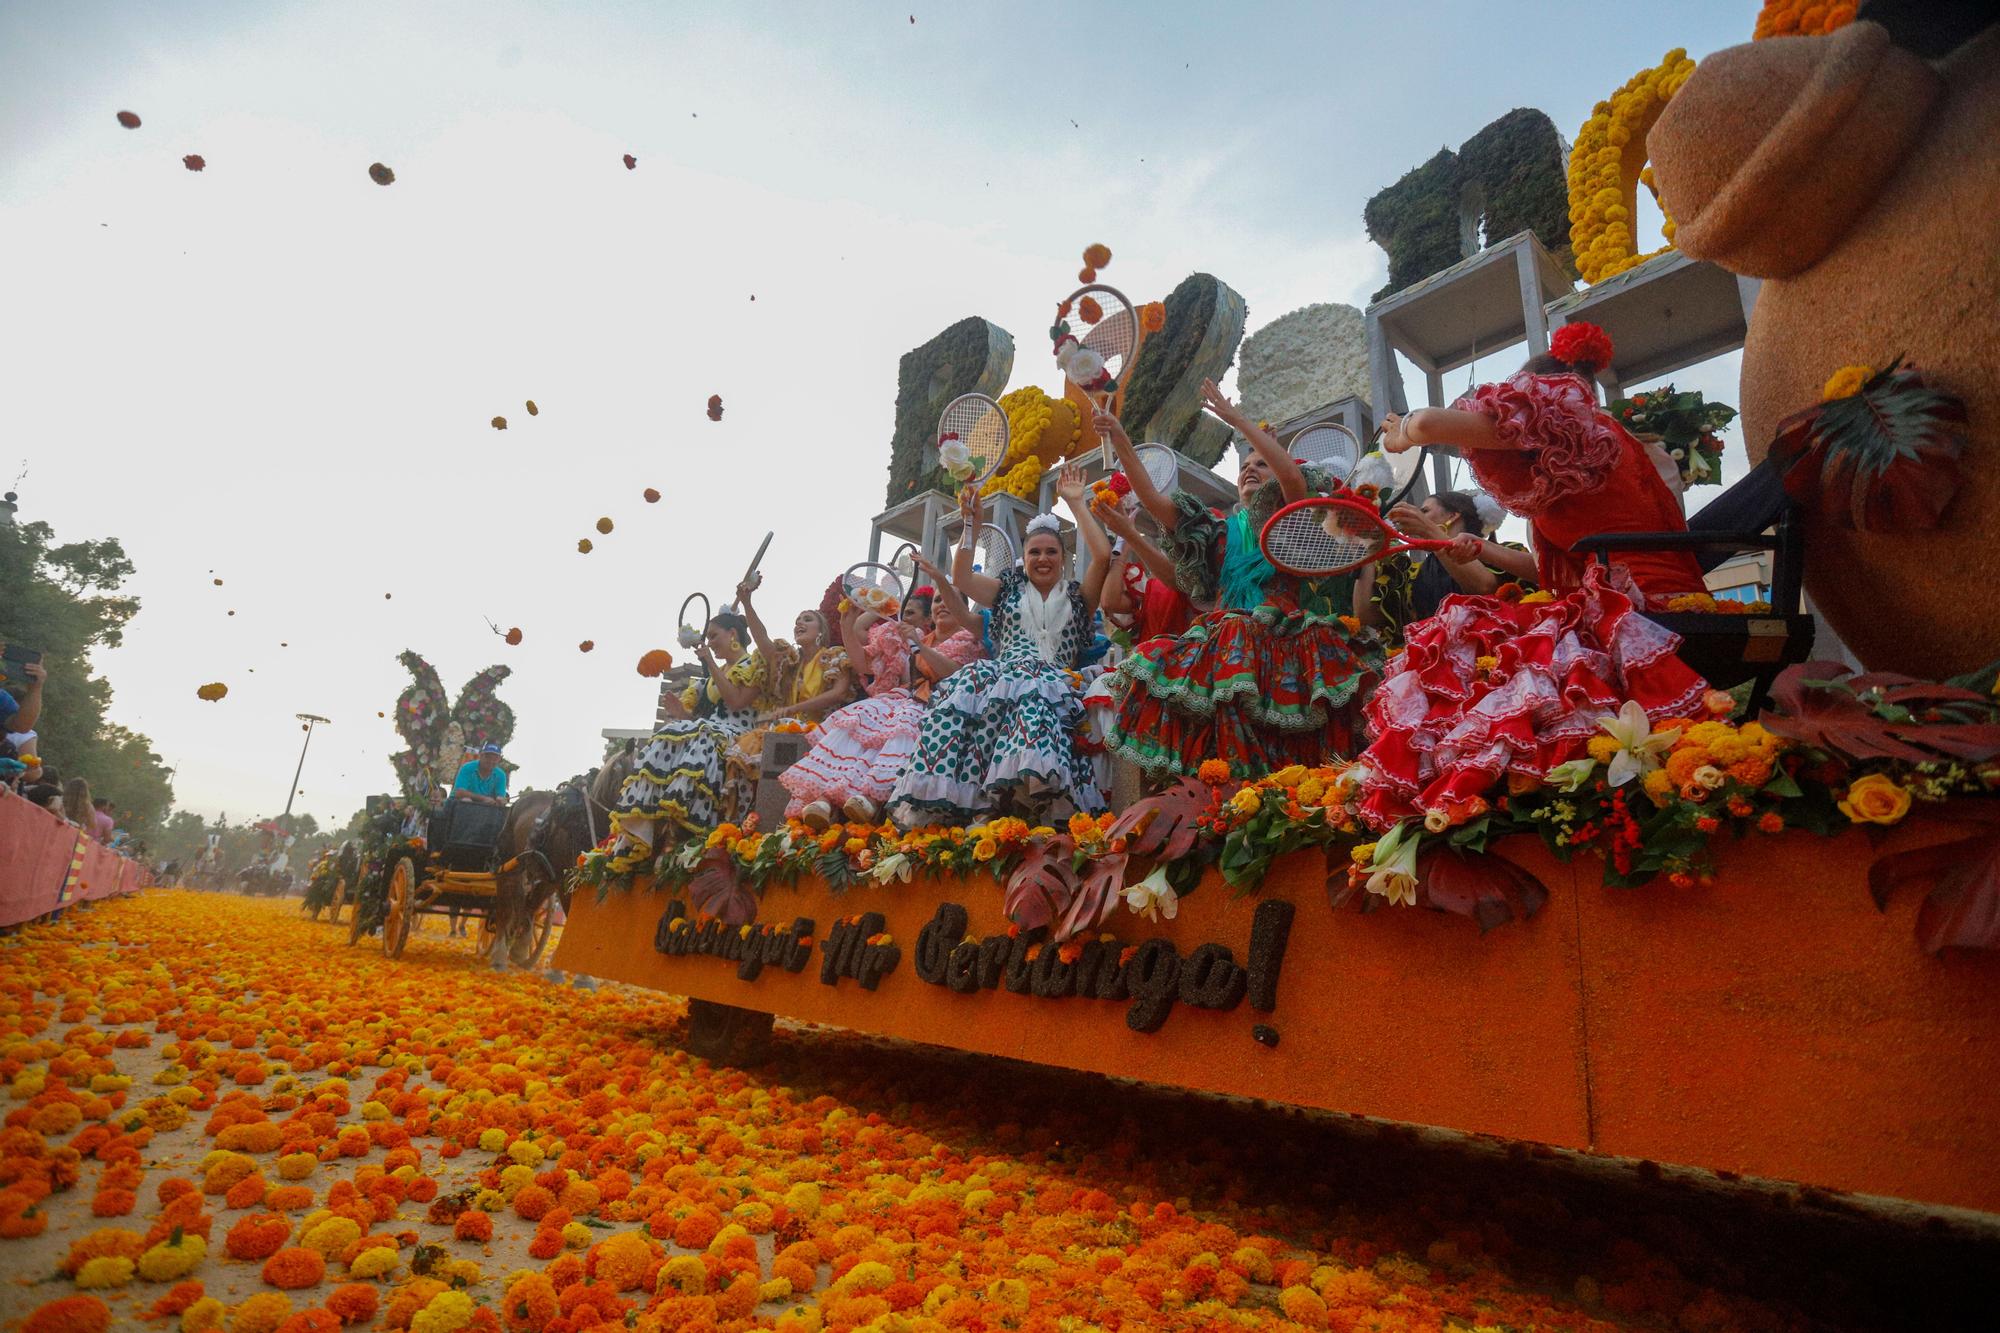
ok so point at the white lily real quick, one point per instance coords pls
(1152, 897)
(1395, 862)
(1573, 774)
(896, 865)
(1639, 746)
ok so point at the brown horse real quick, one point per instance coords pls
(544, 835)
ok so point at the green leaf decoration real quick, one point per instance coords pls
(1882, 460)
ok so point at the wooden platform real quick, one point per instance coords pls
(1774, 1024)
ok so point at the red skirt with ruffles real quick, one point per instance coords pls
(1486, 688)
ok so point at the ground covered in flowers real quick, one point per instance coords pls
(221, 1117)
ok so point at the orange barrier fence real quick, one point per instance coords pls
(1773, 1024)
(45, 863)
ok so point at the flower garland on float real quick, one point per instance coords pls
(1606, 163)
(1648, 803)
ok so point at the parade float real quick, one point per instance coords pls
(1760, 941)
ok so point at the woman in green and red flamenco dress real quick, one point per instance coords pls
(1270, 675)
(1487, 689)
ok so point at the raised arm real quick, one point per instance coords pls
(1155, 501)
(758, 635)
(1441, 425)
(1138, 548)
(981, 588)
(1291, 478)
(1069, 485)
(948, 592)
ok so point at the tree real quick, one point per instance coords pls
(62, 600)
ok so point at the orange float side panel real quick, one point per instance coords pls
(1401, 1014)
(1774, 1024)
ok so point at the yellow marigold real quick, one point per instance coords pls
(331, 1237)
(1873, 799)
(1659, 786)
(1303, 1305)
(374, 1262)
(171, 1260)
(575, 1235)
(803, 1198)
(1485, 663)
(1362, 853)
(526, 1152)
(1845, 383)
(686, 1274)
(1537, 597)
(1311, 792)
(1802, 18)
(204, 1316)
(262, 1313)
(623, 1259)
(446, 1312)
(1602, 748)
(107, 1270)
(296, 1165)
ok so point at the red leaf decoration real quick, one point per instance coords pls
(1962, 908)
(1095, 898)
(715, 891)
(1488, 888)
(1163, 827)
(1041, 887)
(1820, 704)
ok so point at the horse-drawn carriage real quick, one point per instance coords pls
(457, 871)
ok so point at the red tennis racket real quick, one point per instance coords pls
(1323, 535)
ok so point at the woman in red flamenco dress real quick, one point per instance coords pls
(1490, 688)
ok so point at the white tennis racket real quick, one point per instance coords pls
(873, 587)
(1097, 339)
(993, 552)
(972, 434)
(1324, 535)
(1330, 446)
(904, 562)
(691, 630)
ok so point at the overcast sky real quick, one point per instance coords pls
(280, 372)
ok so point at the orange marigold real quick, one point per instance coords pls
(532, 1202)
(69, 1314)
(353, 1302)
(529, 1304)
(314, 1320)
(1097, 255)
(472, 1225)
(295, 1268)
(1214, 772)
(256, 1236)
(178, 1298)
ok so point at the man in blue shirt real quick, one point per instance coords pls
(482, 779)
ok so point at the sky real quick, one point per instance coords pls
(277, 373)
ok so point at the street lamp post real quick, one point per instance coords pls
(309, 719)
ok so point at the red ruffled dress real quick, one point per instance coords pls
(1487, 688)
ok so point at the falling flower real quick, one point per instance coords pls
(652, 496)
(1395, 866)
(513, 637)
(128, 119)
(533, 411)
(585, 545)
(1639, 746)
(715, 407)
(194, 161)
(586, 645)
(1152, 897)
(1097, 256)
(381, 175)
(1086, 274)
(218, 583)
(211, 692)
(630, 161)
(499, 423)
(604, 526)
(387, 596)
(1153, 316)
(655, 662)
(1089, 311)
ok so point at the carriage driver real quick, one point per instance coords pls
(482, 779)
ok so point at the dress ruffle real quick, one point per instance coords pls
(1563, 446)
(1445, 732)
(1260, 689)
(682, 782)
(862, 750)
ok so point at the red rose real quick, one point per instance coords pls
(1581, 345)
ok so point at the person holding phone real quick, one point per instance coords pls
(20, 711)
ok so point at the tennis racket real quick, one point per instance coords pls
(1329, 445)
(1162, 465)
(993, 552)
(873, 587)
(979, 425)
(1324, 535)
(691, 631)
(904, 562)
(1104, 322)
(758, 558)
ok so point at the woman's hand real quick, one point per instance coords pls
(1110, 429)
(1395, 436)
(748, 586)
(972, 512)
(1465, 548)
(1212, 398)
(1415, 522)
(1111, 513)
(1069, 484)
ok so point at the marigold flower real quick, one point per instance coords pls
(294, 1268)
(1845, 382)
(1097, 255)
(69, 1314)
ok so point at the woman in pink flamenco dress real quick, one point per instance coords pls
(863, 748)
(1489, 688)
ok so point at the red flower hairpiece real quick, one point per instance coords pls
(925, 591)
(1581, 344)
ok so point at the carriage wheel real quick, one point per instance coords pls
(539, 930)
(402, 908)
(484, 945)
(354, 926)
